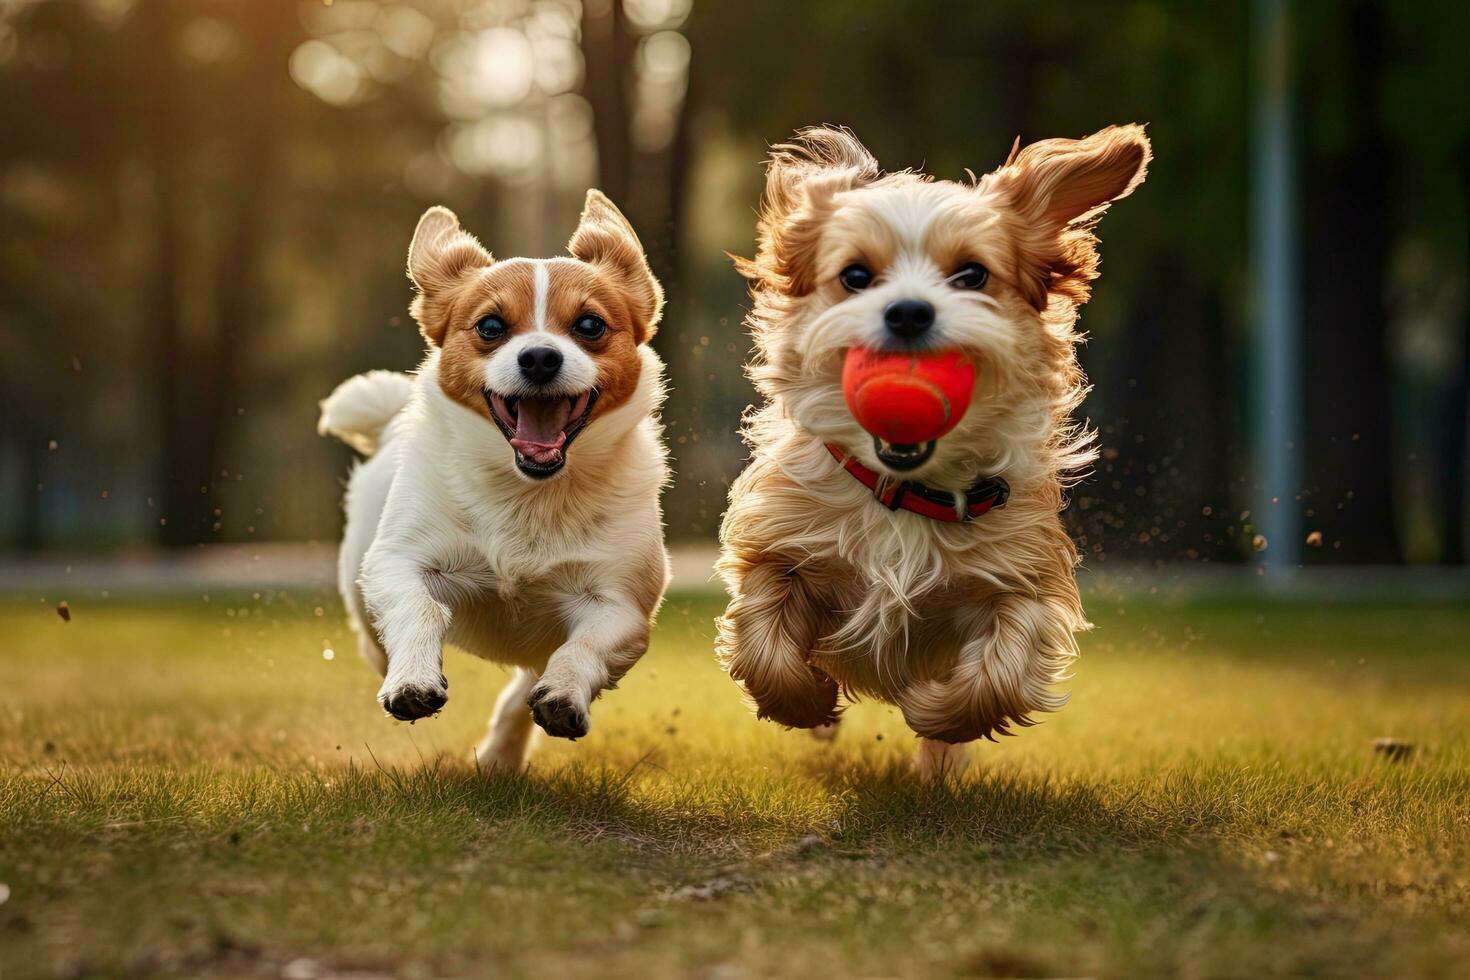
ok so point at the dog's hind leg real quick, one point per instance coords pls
(504, 748)
(938, 760)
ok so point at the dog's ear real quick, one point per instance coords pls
(604, 238)
(802, 178)
(439, 257)
(1057, 190)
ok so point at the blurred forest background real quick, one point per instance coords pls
(205, 207)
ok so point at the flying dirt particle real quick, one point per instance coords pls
(318, 612)
(1393, 749)
(4, 893)
(53, 445)
(64, 611)
(1315, 539)
(1259, 542)
(329, 654)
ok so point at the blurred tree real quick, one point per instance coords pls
(1349, 469)
(199, 364)
(608, 45)
(1454, 450)
(636, 79)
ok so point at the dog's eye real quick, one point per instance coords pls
(490, 327)
(855, 278)
(589, 327)
(971, 275)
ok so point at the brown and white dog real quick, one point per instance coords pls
(510, 500)
(965, 622)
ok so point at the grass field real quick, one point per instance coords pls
(195, 788)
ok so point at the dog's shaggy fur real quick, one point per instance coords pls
(966, 627)
(475, 521)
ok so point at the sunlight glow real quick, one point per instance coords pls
(504, 66)
(325, 72)
(405, 31)
(656, 15)
(663, 79)
(505, 145)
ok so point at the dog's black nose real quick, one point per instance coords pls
(909, 318)
(539, 364)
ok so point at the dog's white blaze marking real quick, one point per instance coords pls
(543, 289)
(908, 215)
(915, 268)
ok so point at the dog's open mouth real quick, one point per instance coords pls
(541, 427)
(904, 456)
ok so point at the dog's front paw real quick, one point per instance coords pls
(558, 714)
(410, 701)
(810, 702)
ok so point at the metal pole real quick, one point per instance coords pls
(1277, 378)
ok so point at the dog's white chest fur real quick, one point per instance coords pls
(514, 562)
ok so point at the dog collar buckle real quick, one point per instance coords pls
(937, 505)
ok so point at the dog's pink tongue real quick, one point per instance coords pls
(541, 428)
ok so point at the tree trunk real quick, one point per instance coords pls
(1349, 455)
(680, 159)
(156, 22)
(607, 49)
(1171, 442)
(200, 389)
(1454, 456)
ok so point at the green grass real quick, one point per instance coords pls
(192, 788)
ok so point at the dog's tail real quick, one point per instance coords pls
(362, 406)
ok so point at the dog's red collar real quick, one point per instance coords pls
(937, 505)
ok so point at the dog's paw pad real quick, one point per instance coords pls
(558, 715)
(410, 703)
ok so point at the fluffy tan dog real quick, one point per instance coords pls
(964, 620)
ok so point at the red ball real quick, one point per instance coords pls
(904, 397)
